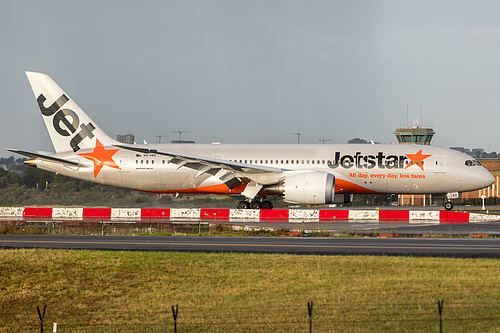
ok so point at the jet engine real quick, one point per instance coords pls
(307, 187)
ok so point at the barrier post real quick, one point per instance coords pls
(310, 310)
(41, 316)
(440, 308)
(175, 312)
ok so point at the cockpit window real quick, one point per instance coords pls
(472, 163)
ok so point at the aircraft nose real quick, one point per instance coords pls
(488, 178)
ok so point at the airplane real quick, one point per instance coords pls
(312, 174)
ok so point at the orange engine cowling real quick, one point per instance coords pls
(315, 188)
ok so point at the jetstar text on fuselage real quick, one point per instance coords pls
(370, 161)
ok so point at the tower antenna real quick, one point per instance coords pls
(406, 115)
(421, 116)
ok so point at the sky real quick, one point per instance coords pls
(256, 71)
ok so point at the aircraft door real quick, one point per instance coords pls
(123, 163)
(440, 164)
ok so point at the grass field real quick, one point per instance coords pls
(94, 291)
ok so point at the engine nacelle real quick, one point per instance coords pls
(315, 188)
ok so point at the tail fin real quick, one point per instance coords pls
(70, 128)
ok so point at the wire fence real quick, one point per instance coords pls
(340, 313)
(105, 227)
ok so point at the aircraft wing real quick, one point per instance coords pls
(258, 173)
(44, 157)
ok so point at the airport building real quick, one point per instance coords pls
(357, 140)
(126, 138)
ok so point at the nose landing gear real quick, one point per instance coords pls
(448, 205)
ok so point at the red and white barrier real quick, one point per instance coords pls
(291, 215)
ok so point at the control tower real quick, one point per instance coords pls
(414, 135)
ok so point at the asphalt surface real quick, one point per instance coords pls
(407, 228)
(446, 247)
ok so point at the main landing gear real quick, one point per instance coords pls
(256, 204)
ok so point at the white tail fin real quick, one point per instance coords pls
(69, 127)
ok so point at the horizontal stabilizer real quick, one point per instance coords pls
(44, 157)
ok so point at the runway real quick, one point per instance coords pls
(402, 228)
(446, 247)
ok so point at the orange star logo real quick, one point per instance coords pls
(101, 157)
(417, 159)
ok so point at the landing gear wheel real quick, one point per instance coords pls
(255, 205)
(242, 204)
(267, 204)
(448, 205)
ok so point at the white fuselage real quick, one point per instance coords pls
(358, 168)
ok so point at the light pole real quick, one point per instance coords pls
(298, 136)
(161, 136)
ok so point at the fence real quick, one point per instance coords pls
(389, 313)
(104, 227)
